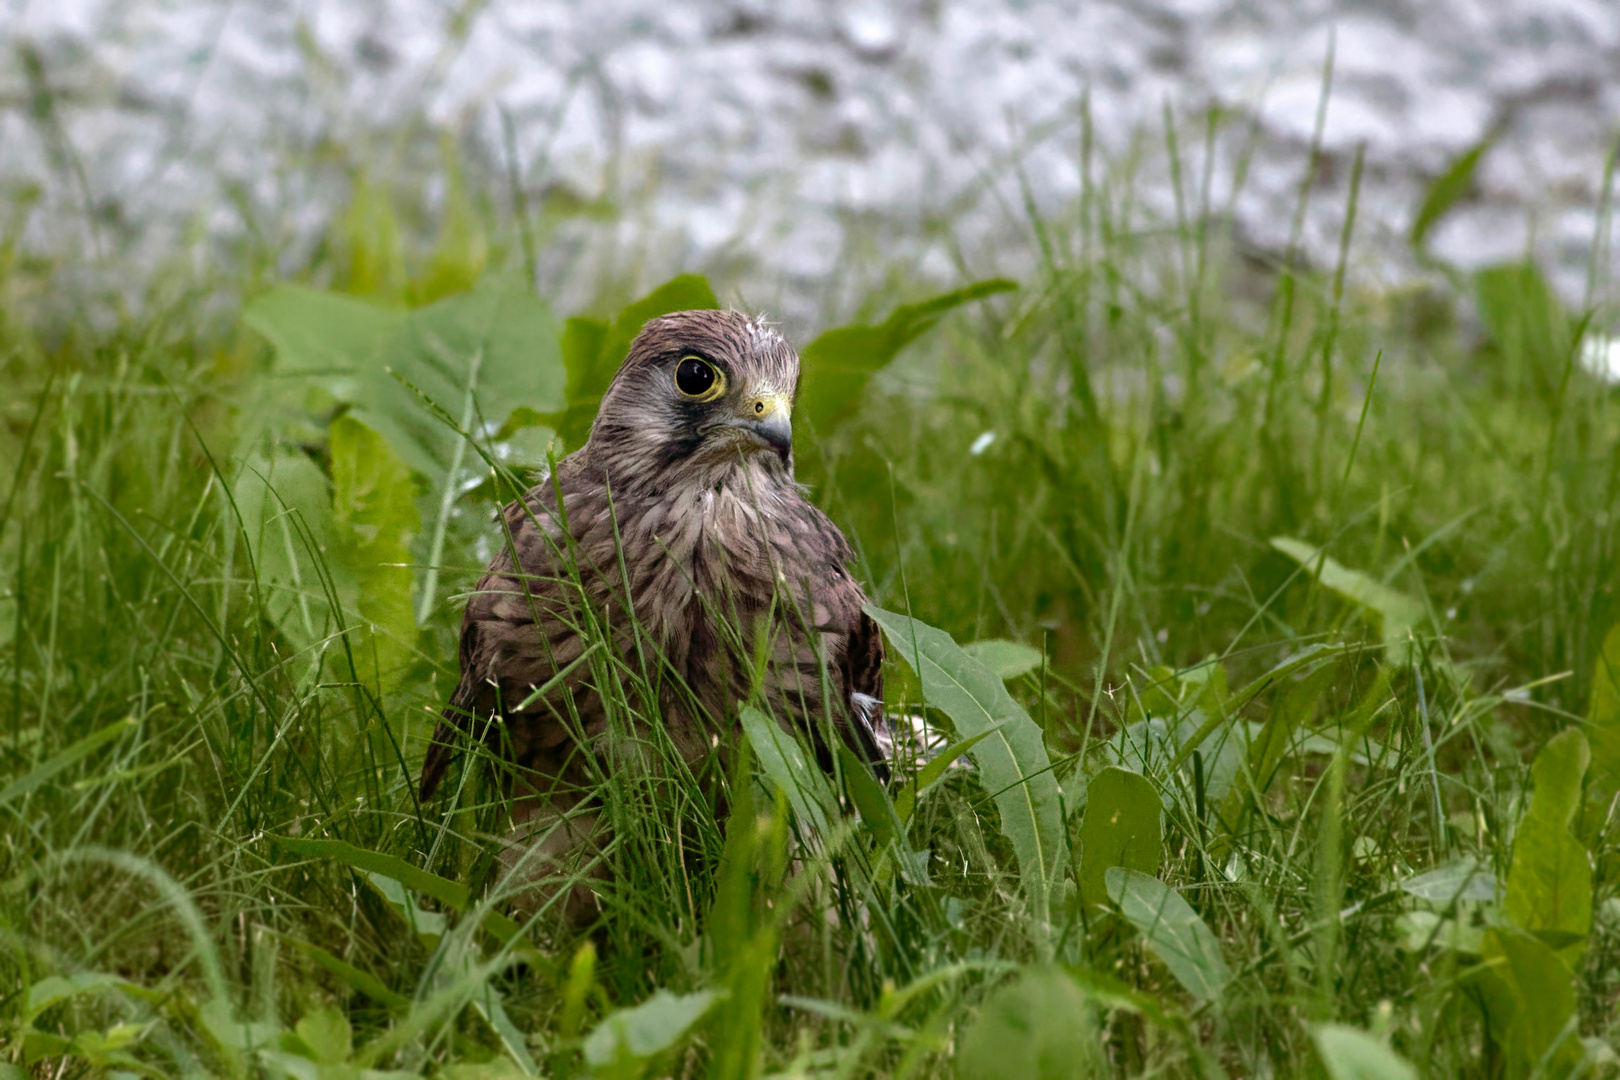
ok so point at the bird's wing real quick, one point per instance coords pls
(850, 640)
(521, 627)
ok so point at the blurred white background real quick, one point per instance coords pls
(789, 136)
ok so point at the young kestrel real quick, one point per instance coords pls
(684, 543)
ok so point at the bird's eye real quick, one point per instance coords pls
(697, 378)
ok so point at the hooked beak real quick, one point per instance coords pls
(768, 417)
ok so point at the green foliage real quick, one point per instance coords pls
(1120, 828)
(1009, 659)
(214, 862)
(836, 366)
(1398, 615)
(373, 520)
(1348, 1054)
(1529, 995)
(1549, 886)
(626, 1042)
(1012, 761)
(1174, 932)
(1041, 1026)
(1530, 333)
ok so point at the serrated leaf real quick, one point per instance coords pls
(1173, 930)
(626, 1039)
(373, 519)
(1012, 763)
(1120, 828)
(477, 356)
(1348, 1054)
(323, 335)
(836, 366)
(1397, 613)
(1008, 659)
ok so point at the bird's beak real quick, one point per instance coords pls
(769, 417)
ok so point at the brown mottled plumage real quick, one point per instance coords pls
(683, 511)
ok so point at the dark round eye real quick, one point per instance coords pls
(697, 378)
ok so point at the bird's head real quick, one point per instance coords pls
(700, 393)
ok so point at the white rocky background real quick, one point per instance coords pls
(792, 137)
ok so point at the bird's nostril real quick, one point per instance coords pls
(759, 406)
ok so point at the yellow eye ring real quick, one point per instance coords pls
(699, 380)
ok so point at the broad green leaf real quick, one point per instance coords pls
(476, 356)
(593, 349)
(929, 774)
(623, 1043)
(1461, 879)
(1398, 614)
(784, 763)
(323, 335)
(427, 380)
(1348, 1054)
(59, 988)
(427, 925)
(324, 1037)
(1422, 929)
(1530, 995)
(1447, 188)
(1012, 762)
(286, 506)
(1174, 932)
(1603, 730)
(42, 773)
(836, 366)
(1120, 828)
(1549, 884)
(1009, 659)
(1041, 1027)
(373, 518)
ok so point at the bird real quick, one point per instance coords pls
(678, 538)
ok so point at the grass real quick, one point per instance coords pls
(1308, 576)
